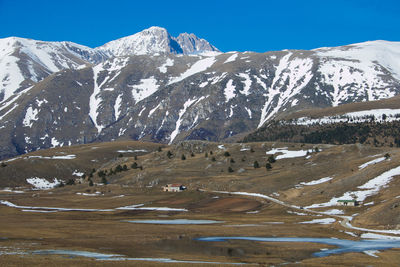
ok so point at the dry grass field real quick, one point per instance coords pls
(96, 218)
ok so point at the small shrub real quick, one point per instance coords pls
(226, 154)
(251, 150)
(230, 169)
(124, 168)
(90, 183)
(3, 165)
(206, 155)
(213, 159)
(192, 154)
(120, 155)
(232, 160)
(183, 157)
(387, 156)
(104, 180)
(159, 149)
(135, 157)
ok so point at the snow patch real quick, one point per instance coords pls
(42, 184)
(146, 88)
(320, 221)
(229, 91)
(168, 63)
(30, 117)
(197, 67)
(371, 162)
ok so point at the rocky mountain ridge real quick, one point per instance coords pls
(171, 96)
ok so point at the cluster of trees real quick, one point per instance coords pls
(368, 132)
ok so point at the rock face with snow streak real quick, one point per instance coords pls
(153, 91)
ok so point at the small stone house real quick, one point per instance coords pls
(348, 202)
(174, 188)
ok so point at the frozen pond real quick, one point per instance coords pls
(176, 221)
(343, 245)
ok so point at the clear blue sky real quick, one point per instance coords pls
(230, 25)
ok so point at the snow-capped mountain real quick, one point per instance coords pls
(156, 40)
(166, 96)
(24, 62)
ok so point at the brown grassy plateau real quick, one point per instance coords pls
(22, 230)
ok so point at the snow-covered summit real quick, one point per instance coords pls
(156, 40)
(191, 44)
(368, 55)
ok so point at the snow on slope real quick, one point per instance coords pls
(356, 117)
(370, 188)
(291, 76)
(95, 100)
(168, 63)
(146, 88)
(39, 60)
(359, 67)
(197, 67)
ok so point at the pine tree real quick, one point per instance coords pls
(134, 165)
(271, 159)
(206, 154)
(159, 149)
(104, 180)
(256, 165)
(183, 157)
(226, 154)
(90, 182)
(268, 166)
(169, 154)
(232, 160)
(230, 169)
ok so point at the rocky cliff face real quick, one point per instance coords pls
(166, 96)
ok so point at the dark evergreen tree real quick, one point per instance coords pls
(230, 169)
(268, 166)
(169, 154)
(183, 157)
(134, 165)
(271, 159)
(256, 165)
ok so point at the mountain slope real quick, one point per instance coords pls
(167, 97)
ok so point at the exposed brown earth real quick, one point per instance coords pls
(109, 232)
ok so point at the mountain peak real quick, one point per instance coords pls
(156, 40)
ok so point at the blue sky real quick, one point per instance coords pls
(230, 25)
